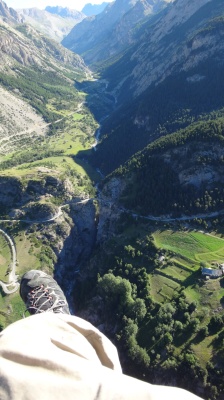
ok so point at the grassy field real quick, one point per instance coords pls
(186, 251)
(176, 272)
(11, 306)
(59, 165)
(67, 137)
(195, 246)
(70, 134)
(78, 116)
(162, 288)
(5, 258)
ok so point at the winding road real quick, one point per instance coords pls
(12, 276)
(15, 138)
(13, 284)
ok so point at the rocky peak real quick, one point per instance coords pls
(100, 37)
(92, 29)
(9, 15)
(94, 9)
(65, 12)
(55, 25)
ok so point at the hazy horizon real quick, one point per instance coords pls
(41, 4)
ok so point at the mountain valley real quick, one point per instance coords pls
(111, 179)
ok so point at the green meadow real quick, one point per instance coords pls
(5, 258)
(184, 251)
(194, 246)
(55, 154)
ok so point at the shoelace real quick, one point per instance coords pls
(34, 299)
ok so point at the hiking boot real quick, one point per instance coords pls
(41, 293)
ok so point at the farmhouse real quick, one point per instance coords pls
(212, 273)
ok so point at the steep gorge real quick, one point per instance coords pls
(112, 252)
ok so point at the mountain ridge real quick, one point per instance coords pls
(65, 12)
(9, 14)
(51, 24)
(127, 252)
(94, 9)
(99, 37)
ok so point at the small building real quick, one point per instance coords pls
(212, 273)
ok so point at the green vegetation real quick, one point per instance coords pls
(195, 246)
(148, 285)
(71, 129)
(160, 111)
(38, 88)
(144, 282)
(28, 156)
(154, 185)
(5, 258)
(42, 172)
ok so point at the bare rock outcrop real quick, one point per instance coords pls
(9, 14)
(11, 191)
(109, 210)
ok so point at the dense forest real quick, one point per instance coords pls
(154, 185)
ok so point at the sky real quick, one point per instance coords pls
(74, 4)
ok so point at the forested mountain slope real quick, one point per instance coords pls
(165, 203)
(181, 173)
(188, 86)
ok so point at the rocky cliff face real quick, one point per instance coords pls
(23, 44)
(11, 191)
(93, 223)
(70, 229)
(15, 193)
(171, 45)
(187, 162)
(108, 33)
(54, 22)
(179, 40)
(109, 210)
(77, 246)
(27, 47)
(175, 16)
(9, 14)
(66, 12)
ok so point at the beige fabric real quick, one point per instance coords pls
(62, 357)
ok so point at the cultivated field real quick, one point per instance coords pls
(184, 251)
